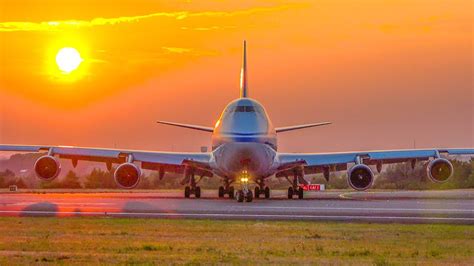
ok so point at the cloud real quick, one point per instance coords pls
(209, 28)
(177, 50)
(180, 15)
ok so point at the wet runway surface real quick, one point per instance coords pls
(404, 207)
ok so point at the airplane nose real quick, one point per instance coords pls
(241, 156)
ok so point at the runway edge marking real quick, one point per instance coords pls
(220, 215)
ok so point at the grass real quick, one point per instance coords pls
(159, 241)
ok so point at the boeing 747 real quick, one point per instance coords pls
(244, 154)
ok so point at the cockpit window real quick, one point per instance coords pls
(249, 109)
(246, 109)
(241, 109)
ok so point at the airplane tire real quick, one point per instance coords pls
(249, 196)
(257, 192)
(267, 192)
(221, 192)
(290, 193)
(187, 192)
(197, 192)
(300, 193)
(240, 196)
(231, 193)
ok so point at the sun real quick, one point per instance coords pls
(68, 59)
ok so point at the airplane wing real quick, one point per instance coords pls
(290, 128)
(189, 126)
(167, 161)
(320, 162)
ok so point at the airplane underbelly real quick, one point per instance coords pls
(232, 158)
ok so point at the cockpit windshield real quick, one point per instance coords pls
(245, 109)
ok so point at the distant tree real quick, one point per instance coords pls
(71, 180)
(401, 176)
(207, 182)
(462, 176)
(166, 182)
(100, 179)
(20, 183)
(337, 182)
(170, 180)
(145, 182)
(470, 179)
(7, 174)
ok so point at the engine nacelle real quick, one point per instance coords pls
(127, 175)
(47, 167)
(360, 177)
(439, 170)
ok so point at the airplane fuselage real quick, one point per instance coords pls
(244, 139)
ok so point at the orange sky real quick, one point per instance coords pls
(385, 72)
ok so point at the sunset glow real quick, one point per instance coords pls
(396, 69)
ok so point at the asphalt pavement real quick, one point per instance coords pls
(453, 206)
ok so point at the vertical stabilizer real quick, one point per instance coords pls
(243, 75)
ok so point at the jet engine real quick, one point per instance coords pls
(127, 175)
(439, 170)
(47, 167)
(360, 177)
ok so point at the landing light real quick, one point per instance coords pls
(244, 179)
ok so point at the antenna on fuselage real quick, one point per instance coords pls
(243, 74)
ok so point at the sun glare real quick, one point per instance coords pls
(68, 59)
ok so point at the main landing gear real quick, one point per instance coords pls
(295, 190)
(226, 189)
(192, 189)
(262, 189)
(188, 191)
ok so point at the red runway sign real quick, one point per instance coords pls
(312, 187)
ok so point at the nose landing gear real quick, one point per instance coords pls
(244, 193)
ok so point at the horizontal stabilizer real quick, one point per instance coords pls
(195, 127)
(284, 129)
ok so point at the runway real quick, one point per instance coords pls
(402, 207)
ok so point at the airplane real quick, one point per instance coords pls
(244, 152)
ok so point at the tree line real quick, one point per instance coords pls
(396, 176)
